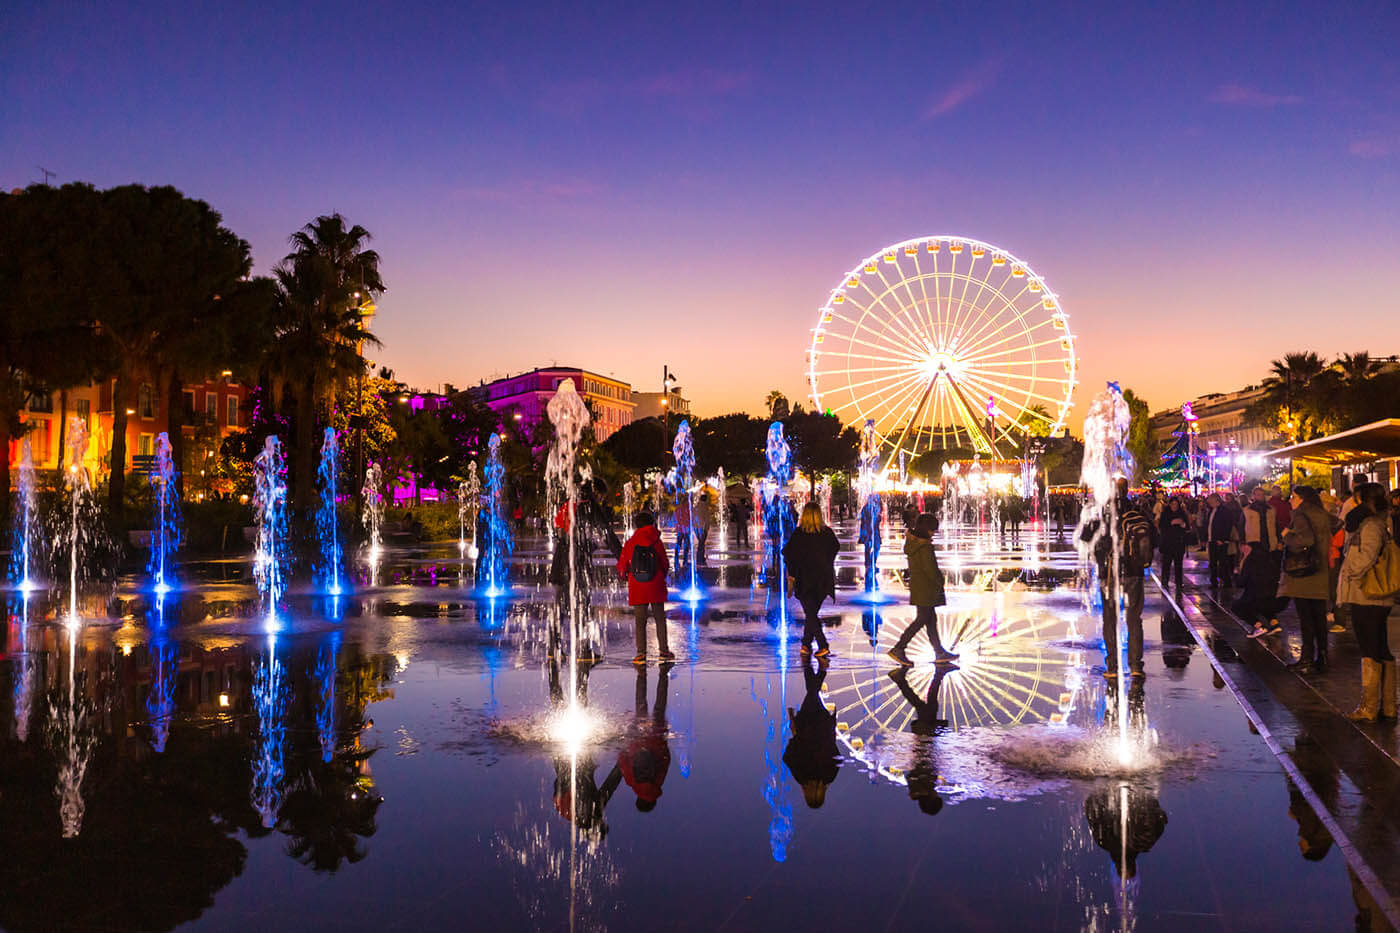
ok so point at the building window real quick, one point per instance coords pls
(146, 401)
(211, 406)
(189, 405)
(83, 409)
(146, 445)
(232, 411)
(40, 402)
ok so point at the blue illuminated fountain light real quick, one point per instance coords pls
(872, 515)
(495, 538)
(330, 550)
(270, 516)
(684, 452)
(166, 533)
(26, 538)
(778, 515)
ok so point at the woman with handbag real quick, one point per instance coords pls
(1367, 534)
(1305, 575)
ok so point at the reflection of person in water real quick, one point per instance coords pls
(1177, 643)
(1105, 807)
(811, 753)
(1314, 841)
(922, 775)
(577, 796)
(647, 756)
(1146, 821)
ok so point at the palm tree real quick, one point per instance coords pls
(777, 405)
(1357, 368)
(1293, 387)
(328, 283)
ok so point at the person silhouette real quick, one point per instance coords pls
(922, 775)
(1106, 807)
(647, 756)
(811, 754)
(578, 797)
(1146, 821)
(1314, 841)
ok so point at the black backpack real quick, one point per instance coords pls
(644, 564)
(1135, 541)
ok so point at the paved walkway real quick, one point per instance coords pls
(1352, 769)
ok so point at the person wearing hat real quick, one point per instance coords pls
(643, 565)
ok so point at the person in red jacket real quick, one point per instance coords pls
(643, 565)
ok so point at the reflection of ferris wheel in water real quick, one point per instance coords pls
(943, 342)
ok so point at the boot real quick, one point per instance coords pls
(1370, 692)
(1388, 689)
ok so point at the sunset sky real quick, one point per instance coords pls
(625, 186)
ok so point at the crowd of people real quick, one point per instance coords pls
(1265, 551)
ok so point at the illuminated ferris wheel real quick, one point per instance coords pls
(943, 342)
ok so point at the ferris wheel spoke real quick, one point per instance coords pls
(1030, 346)
(912, 378)
(868, 382)
(962, 297)
(1032, 378)
(1026, 329)
(923, 290)
(906, 341)
(897, 410)
(861, 369)
(901, 316)
(925, 325)
(875, 346)
(857, 324)
(1008, 303)
(887, 420)
(974, 313)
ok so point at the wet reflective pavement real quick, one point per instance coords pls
(404, 758)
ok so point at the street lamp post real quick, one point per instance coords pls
(668, 379)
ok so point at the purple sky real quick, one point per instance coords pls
(620, 186)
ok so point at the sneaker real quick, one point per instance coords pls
(1337, 629)
(945, 657)
(1110, 675)
(1259, 631)
(900, 658)
(824, 653)
(805, 650)
(640, 659)
(667, 655)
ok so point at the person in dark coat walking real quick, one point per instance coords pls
(925, 591)
(646, 596)
(811, 754)
(1172, 527)
(810, 556)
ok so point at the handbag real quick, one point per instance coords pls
(1302, 562)
(1382, 581)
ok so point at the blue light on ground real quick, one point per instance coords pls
(872, 598)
